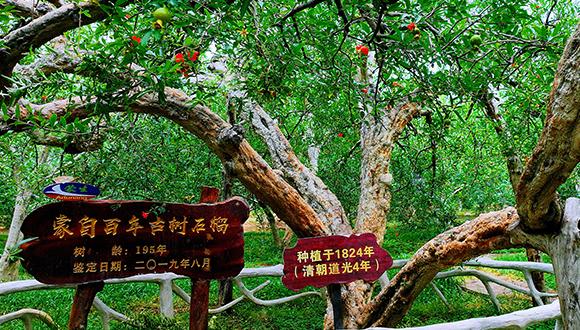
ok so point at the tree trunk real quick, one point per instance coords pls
(225, 292)
(272, 224)
(533, 255)
(303, 179)
(565, 253)
(8, 269)
(564, 249)
(556, 155)
(558, 149)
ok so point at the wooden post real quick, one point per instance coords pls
(209, 195)
(337, 308)
(225, 291)
(83, 300)
(199, 304)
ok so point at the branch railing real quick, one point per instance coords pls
(168, 287)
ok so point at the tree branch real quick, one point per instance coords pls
(60, 59)
(378, 137)
(488, 232)
(310, 186)
(222, 138)
(28, 8)
(17, 43)
(341, 12)
(514, 163)
(557, 151)
(299, 8)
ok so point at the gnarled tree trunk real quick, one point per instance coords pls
(565, 253)
(8, 269)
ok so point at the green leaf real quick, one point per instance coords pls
(244, 7)
(52, 120)
(4, 109)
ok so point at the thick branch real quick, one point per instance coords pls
(310, 186)
(514, 164)
(59, 59)
(378, 136)
(28, 8)
(43, 29)
(557, 151)
(486, 233)
(247, 165)
(222, 138)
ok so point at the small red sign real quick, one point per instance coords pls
(320, 261)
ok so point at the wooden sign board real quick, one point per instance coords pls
(89, 241)
(71, 191)
(321, 261)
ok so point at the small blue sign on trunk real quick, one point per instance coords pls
(71, 191)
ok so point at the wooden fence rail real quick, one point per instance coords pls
(168, 287)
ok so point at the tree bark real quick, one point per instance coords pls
(378, 137)
(9, 270)
(225, 140)
(16, 44)
(225, 291)
(555, 156)
(486, 233)
(557, 151)
(565, 253)
(534, 255)
(28, 8)
(272, 224)
(564, 249)
(310, 186)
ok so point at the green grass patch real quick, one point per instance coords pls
(520, 255)
(402, 241)
(428, 309)
(3, 239)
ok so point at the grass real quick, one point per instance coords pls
(140, 301)
(3, 238)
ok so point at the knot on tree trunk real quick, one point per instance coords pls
(231, 136)
(551, 223)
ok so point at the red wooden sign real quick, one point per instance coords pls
(320, 261)
(79, 242)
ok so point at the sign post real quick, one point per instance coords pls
(337, 305)
(198, 313)
(82, 303)
(87, 242)
(333, 260)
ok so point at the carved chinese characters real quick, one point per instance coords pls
(321, 261)
(90, 241)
